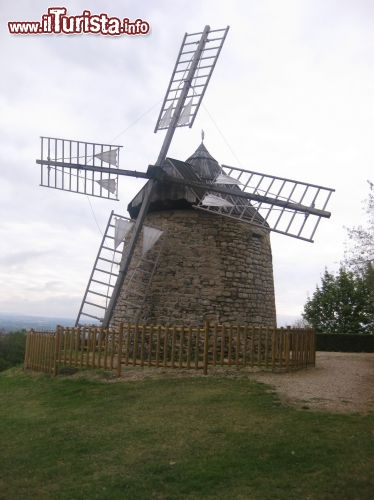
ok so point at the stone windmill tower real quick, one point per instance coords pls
(208, 267)
(197, 244)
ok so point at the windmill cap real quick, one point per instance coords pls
(203, 164)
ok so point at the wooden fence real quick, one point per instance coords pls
(170, 347)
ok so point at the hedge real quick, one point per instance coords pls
(344, 342)
(12, 349)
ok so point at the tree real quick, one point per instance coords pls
(300, 323)
(12, 349)
(360, 251)
(343, 304)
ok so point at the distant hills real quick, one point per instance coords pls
(13, 322)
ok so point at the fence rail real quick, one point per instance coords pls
(170, 347)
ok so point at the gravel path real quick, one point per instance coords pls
(341, 382)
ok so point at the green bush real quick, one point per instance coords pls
(12, 349)
(344, 303)
(344, 342)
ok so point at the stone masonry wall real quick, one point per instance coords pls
(210, 268)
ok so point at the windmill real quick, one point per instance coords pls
(197, 244)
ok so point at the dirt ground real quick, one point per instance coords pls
(340, 382)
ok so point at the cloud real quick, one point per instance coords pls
(19, 260)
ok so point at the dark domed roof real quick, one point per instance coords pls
(200, 167)
(203, 164)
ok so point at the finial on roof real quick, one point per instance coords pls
(202, 135)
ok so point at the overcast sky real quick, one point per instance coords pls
(292, 95)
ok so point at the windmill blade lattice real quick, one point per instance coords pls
(283, 205)
(79, 167)
(206, 64)
(105, 270)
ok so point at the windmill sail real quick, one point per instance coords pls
(150, 237)
(226, 179)
(166, 119)
(110, 156)
(211, 200)
(108, 184)
(122, 227)
(184, 118)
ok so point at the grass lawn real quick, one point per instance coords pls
(192, 437)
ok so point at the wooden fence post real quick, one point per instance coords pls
(237, 347)
(56, 351)
(135, 348)
(252, 345)
(245, 346)
(229, 349)
(222, 351)
(181, 345)
(173, 341)
(287, 350)
(99, 347)
(214, 357)
(82, 340)
(273, 347)
(189, 348)
(142, 346)
(197, 343)
(206, 347)
(106, 341)
(119, 351)
(127, 346)
(166, 346)
(267, 347)
(158, 346)
(150, 346)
